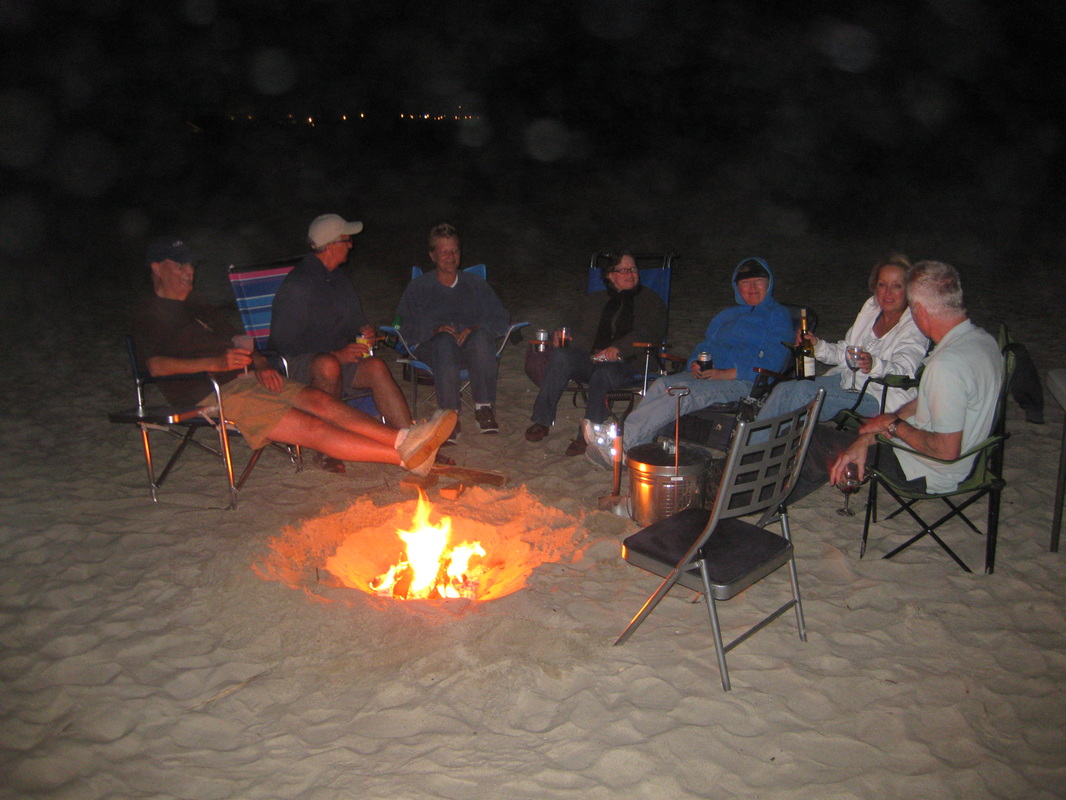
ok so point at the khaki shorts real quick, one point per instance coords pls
(255, 410)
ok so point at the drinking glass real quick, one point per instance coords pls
(851, 358)
(849, 487)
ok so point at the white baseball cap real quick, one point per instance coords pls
(329, 228)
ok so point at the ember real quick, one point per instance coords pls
(431, 569)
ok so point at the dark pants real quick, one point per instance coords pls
(565, 363)
(477, 356)
(827, 444)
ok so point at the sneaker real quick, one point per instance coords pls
(423, 439)
(602, 455)
(536, 432)
(486, 419)
(598, 432)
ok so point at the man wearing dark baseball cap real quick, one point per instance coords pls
(168, 248)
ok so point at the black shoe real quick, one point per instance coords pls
(327, 463)
(486, 420)
(454, 435)
(536, 432)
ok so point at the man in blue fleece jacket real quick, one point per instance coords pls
(740, 338)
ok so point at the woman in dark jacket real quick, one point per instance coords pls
(605, 325)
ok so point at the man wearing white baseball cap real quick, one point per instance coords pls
(320, 327)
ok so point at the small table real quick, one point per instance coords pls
(1056, 383)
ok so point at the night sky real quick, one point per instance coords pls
(107, 105)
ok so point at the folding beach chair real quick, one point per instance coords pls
(985, 480)
(254, 287)
(419, 373)
(715, 552)
(656, 271)
(183, 423)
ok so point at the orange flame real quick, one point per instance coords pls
(431, 569)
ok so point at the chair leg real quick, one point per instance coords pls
(800, 623)
(716, 629)
(152, 486)
(1060, 490)
(227, 460)
(992, 530)
(871, 515)
(648, 606)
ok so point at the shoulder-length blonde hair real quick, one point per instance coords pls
(895, 260)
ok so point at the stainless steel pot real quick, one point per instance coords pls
(662, 482)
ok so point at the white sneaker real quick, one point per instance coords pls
(598, 432)
(602, 455)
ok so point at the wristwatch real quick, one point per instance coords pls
(891, 429)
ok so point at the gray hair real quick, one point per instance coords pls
(937, 287)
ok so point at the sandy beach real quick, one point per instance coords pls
(156, 650)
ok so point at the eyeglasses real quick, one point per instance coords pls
(624, 271)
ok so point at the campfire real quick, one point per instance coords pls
(475, 549)
(431, 567)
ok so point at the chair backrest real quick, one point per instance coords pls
(478, 269)
(254, 287)
(763, 464)
(656, 270)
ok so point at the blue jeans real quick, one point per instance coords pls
(565, 363)
(445, 357)
(658, 408)
(790, 395)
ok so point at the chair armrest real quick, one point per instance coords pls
(991, 441)
(403, 349)
(507, 336)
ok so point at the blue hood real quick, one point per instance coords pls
(765, 266)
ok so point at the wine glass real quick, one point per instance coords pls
(849, 487)
(851, 358)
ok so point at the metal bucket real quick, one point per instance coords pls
(657, 488)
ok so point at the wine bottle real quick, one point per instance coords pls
(805, 367)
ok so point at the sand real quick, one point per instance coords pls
(146, 651)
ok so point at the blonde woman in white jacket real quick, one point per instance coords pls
(891, 344)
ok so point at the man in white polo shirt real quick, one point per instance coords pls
(954, 409)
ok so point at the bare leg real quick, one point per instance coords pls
(307, 430)
(340, 415)
(374, 374)
(324, 372)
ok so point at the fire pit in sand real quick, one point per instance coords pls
(480, 547)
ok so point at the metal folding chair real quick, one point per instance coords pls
(715, 552)
(183, 423)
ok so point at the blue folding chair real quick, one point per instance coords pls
(254, 287)
(418, 372)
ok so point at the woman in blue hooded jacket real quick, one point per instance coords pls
(745, 336)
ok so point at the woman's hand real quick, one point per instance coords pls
(810, 337)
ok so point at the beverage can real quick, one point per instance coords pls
(705, 361)
(366, 341)
(541, 337)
